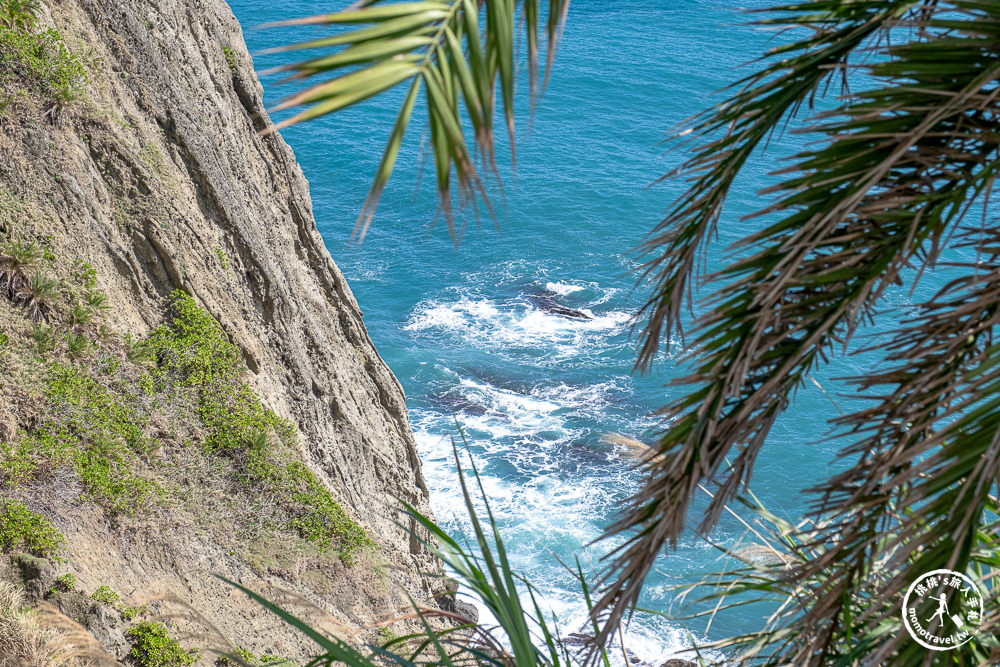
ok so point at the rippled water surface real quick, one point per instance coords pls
(468, 333)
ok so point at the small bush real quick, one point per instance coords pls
(241, 656)
(38, 297)
(78, 346)
(153, 647)
(230, 57)
(130, 613)
(85, 274)
(322, 520)
(17, 262)
(192, 348)
(66, 583)
(45, 338)
(22, 529)
(43, 62)
(96, 300)
(105, 595)
(80, 315)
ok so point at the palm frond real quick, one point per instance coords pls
(892, 181)
(456, 52)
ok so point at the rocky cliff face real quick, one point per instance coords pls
(159, 178)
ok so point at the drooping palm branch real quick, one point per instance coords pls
(457, 52)
(877, 202)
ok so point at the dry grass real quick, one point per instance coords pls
(42, 637)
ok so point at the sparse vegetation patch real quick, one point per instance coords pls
(242, 656)
(19, 14)
(99, 402)
(193, 351)
(66, 582)
(24, 530)
(230, 57)
(152, 646)
(41, 62)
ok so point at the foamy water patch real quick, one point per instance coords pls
(563, 289)
(528, 485)
(514, 329)
(546, 513)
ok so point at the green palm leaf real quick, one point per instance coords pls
(458, 52)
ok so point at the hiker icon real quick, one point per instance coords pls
(942, 608)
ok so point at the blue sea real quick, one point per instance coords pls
(462, 328)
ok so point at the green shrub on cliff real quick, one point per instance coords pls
(65, 583)
(153, 647)
(230, 55)
(105, 595)
(42, 61)
(24, 530)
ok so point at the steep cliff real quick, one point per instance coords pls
(150, 178)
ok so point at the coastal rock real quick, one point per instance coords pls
(547, 304)
(449, 601)
(760, 554)
(632, 448)
(159, 179)
(466, 610)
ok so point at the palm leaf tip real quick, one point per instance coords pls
(458, 53)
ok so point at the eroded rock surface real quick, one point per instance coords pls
(160, 179)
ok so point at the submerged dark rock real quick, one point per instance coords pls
(457, 404)
(549, 305)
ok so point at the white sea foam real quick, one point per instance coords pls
(563, 289)
(513, 328)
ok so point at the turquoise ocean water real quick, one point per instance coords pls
(461, 328)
